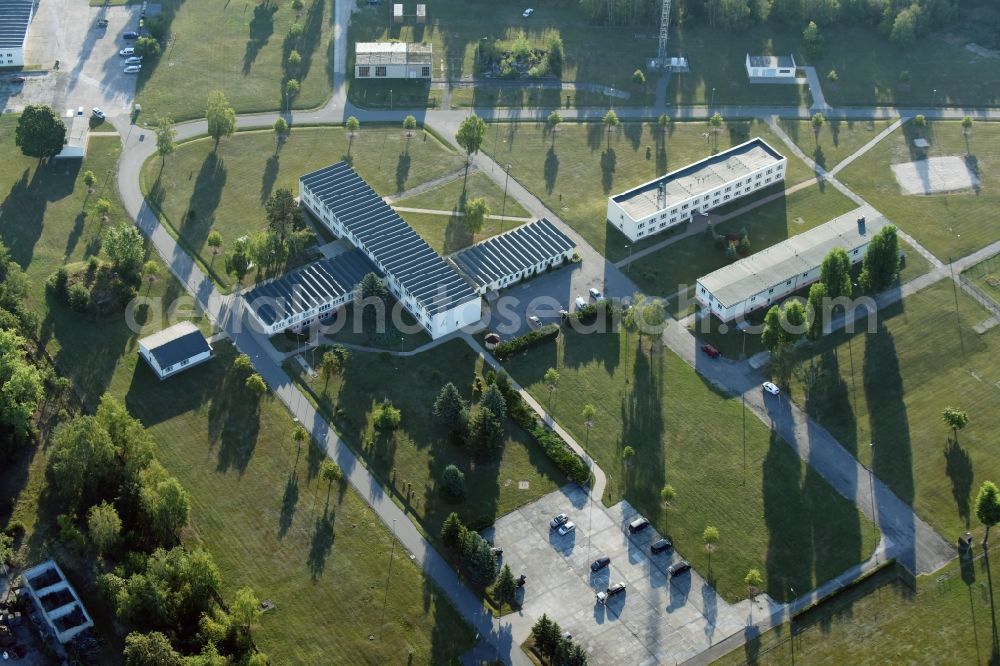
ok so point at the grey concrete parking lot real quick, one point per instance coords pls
(90, 71)
(655, 621)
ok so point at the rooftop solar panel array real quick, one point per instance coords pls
(394, 245)
(14, 18)
(512, 252)
(309, 287)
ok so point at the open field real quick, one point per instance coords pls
(239, 49)
(949, 225)
(672, 271)
(890, 386)
(943, 618)
(410, 460)
(837, 139)
(575, 171)
(986, 277)
(449, 234)
(225, 189)
(223, 451)
(775, 514)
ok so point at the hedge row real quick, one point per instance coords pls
(555, 448)
(507, 349)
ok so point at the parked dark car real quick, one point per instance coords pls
(638, 525)
(661, 546)
(678, 568)
(130, 35)
(617, 588)
(102, 23)
(711, 351)
(600, 563)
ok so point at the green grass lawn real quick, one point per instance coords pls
(949, 225)
(837, 139)
(986, 276)
(222, 453)
(943, 618)
(410, 461)
(448, 234)
(574, 172)
(239, 49)
(676, 267)
(890, 386)
(777, 515)
(226, 189)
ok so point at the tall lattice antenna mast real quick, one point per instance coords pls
(661, 53)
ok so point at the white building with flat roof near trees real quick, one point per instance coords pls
(766, 277)
(392, 60)
(674, 198)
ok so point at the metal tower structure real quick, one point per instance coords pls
(661, 53)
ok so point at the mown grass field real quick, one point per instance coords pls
(575, 170)
(949, 225)
(225, 189)
(672, 271)
(942, 618)
(775, 514)
(889, 387)
(234, 458)
(411, 459)
(836, 139)
(448, 234)
(240, 50)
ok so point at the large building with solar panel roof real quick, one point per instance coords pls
(674, 198)
(430, 288)
(15, 16)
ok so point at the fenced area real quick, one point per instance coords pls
(982, 283)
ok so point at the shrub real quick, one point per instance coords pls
(147, 47)
(507, 349)
(638, 77)
(386, 416)
(79, 297)
(58, 283)
(453, 482)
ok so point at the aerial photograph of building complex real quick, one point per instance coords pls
(604, 332)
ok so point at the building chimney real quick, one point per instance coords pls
(861, 226)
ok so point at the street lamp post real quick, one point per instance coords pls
(503, 206)
(871, 490)
(711, 102)
(392, 556)
(390, 99)
(628, 262)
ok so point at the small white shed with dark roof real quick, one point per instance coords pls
(175, 349)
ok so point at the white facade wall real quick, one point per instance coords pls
(12, 57)
(770, 72)
(766, 297)
(163, 373)
(681, 212)
(300, 319)
(439, 324)
(396, 71)
(514, 278)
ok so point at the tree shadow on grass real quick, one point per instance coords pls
(321, 545)
(23, 209)
(643, 428)
(633, 132)
(269, 176)
(261, 29)
(402, 171)
(74, 235)
(609, 162)
(789, 547)
(958, 467)
(234, 421)
(828, 397)
(205, 198)
(288, 502)
(551, 169)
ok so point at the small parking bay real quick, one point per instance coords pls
(656, 620)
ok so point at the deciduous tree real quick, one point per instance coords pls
(955, 418)
(471, 133)
(835, 273)
(165, 134)
(104, 526)
(220, 116)
(754, 581)
(880, 267)
(40, 131)
(610, 122)
(988, 507)
(125, 248)
(476, 212)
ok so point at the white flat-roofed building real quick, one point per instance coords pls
(425, 284)
(392, 60)
(674, 198)
(770, 69)
(514, 255)
(77, 134)
(15, 17)
(766, 277)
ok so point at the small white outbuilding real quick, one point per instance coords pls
(175, 349)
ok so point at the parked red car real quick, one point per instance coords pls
(711, 351)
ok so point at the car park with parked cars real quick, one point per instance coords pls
(612, 591)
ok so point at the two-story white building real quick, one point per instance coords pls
(766, 277)
(514, 255)
(15, 17)
(392, 60)
(674, 198)
(419, 278)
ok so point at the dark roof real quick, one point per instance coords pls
(14, 18)
(172, 345)
(394, 246)
(512, 252)
(310, 286)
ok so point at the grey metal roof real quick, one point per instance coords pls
(396, 248)
(772, 61)
(172, 345)
(697, 178)
(14, 18)
(310, 286)
(797, 255)
(393, 53)
(512, 252)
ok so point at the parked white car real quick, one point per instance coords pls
(771, 388)
(133, 69)
(567, 528)
(97, 113)
(126, 52)
(527, 12)
(133, 60)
